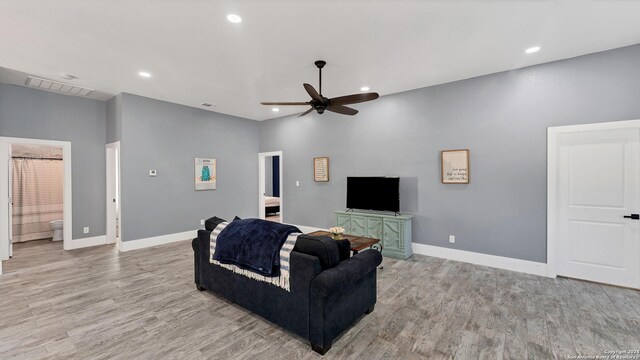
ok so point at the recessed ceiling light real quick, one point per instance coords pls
(531, 50)
(364, 88)
(144, 74)
(275, 109)
(205, 104)
(234, 18)
(68, 77)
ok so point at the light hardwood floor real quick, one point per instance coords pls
(97, 303)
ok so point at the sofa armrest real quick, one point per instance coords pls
(200, 247)
(339, 296)
(346, 273)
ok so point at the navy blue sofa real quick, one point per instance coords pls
(329, 289)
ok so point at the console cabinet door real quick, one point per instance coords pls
(344, 221)
(392, 232)
(374, 227)
(358, 225)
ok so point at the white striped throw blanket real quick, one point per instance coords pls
(281, 281)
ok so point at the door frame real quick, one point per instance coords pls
(261, 179)
(552, 177)
(111, 234)
(5, 143)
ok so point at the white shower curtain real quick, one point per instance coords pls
(37, 197)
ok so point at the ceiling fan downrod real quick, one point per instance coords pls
(320, 64)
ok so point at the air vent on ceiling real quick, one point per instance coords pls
(58, 87)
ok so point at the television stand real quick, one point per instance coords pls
(393, 230)
(395, 213)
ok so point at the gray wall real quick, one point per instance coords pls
(502, 118)
(168, 137)
(114, 119)
(37, 114)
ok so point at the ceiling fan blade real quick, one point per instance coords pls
(306, 112)
(285, 103)
(342, 110)
(353, 99)
(312, 92)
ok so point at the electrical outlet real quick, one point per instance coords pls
(153, 173)
(86, 230)
(297, 183)
(201, 221)
(452, 239)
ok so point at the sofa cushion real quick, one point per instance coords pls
(211, 223)
(322, 247)
(344, 249)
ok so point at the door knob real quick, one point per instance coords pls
(632, 216)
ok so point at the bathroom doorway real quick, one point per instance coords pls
(37, 187)
(270, 199)
(36, 204)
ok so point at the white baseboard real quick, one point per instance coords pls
(500, 262)
(85, 242)
(157, 240)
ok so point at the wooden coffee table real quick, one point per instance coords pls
(357, 242)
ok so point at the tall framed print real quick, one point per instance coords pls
(321, 169)
(455, 166)
(206, 174)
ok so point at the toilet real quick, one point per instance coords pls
(56, 226)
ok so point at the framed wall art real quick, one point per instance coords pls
(206, 176)
(455, 166)
(321, 169)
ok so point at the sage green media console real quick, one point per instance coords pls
(393, 231)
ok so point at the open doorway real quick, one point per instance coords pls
(35, 207)
(113, 194)
(270, 199)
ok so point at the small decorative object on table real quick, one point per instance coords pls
(336, 232)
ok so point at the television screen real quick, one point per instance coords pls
(373, 193)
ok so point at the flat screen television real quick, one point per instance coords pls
(373, 193)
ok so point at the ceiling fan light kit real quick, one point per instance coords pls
(320, 103)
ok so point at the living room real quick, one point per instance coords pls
(511, 82)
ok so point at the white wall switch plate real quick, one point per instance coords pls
(152, 173)
(297, 183)
(452, 239)
(85, 230)
(201, 221)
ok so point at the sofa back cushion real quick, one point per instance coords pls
(211, 223)
(322, 247)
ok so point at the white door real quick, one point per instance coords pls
(598, 190)
(113, 198)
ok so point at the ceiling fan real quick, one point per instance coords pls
(320, 103)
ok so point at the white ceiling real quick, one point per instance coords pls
(195, 55)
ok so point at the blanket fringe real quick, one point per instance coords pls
(280, 281)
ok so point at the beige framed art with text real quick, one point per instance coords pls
(321, 169)
(455, 166)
